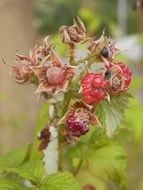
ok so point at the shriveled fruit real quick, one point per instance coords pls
(120, 78)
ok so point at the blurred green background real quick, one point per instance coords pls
(26, 22)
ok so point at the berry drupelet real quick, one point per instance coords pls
(94, 88)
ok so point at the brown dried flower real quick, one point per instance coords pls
(54, 75)
(74, 34)
(22, 71)
(43, 52)
(103, 48)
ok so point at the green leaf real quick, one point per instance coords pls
(114, 112)
(32, 170)
(60, 181)
(108, 161)
(8, 184)
(14, 158)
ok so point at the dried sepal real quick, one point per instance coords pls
(22, 72)
(44, 51)
(103, 48)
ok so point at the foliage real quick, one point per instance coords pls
(114, 111)
(60, 181)
(104, 159)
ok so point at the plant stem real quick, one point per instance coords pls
(78, 167)
(66, 102)
(60, 148)
(87, 58)
(71, 53)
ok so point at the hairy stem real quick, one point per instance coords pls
(71, 53)
(87, 58)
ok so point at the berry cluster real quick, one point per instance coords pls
(47, 71)
(98, 86)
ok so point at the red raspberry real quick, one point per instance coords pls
(77, 128)
(94, 88)
(120, 78)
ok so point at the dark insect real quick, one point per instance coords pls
(105, 52)
(107, 75)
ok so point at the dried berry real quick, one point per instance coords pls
(74, 34)
(77, 128)
(107, 75)
(77, 119)
(120, 78)
(105, 52)
(53, 76)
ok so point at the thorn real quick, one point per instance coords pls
(103, 33)
(79, 90)
(61, 121)
(108, 97)
(98, 122)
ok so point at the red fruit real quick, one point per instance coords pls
(120, 79)
(78, 117)
(94, 88)
(77, 128)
